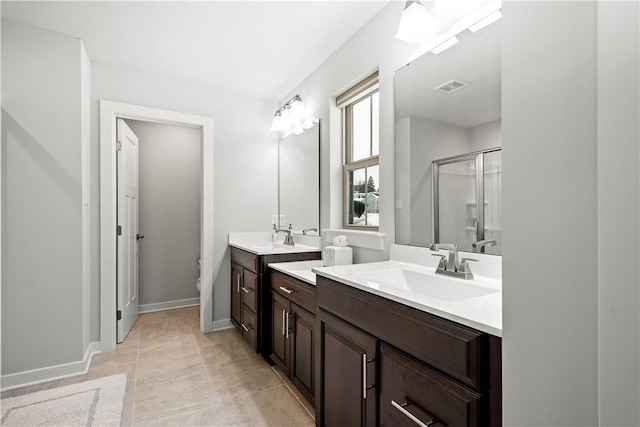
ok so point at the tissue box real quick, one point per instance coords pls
(337, 255)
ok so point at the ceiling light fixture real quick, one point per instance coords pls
(486, 21)
(414, 22)
(444, 46)
(292, 117)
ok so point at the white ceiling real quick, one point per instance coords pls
(261, 48)
(475, 60)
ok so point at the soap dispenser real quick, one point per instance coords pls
(274, 234)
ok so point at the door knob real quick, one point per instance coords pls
(139, 236)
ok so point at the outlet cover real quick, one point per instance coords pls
(283, 220)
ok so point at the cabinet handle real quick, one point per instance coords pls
(284, 313)
(238, 283)
(245, 290)
(364, 376)
(287, 335)
(247, 328)
(287, 290)
(401, 408)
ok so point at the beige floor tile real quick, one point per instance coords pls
(31, 389)
(170, 366)
(215, 338)
(149, 349)
(275, 407)
(153, 404)
(178, 376)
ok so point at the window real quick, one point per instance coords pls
(361, 131)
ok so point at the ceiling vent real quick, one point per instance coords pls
(452, 86)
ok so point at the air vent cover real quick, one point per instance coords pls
(451, 86)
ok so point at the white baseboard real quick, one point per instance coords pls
(168, 305)
(221, 325)
(50, 373)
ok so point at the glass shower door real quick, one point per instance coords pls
(456, 193)
(460, 183)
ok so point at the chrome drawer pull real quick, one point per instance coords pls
(409, 415)
(238, 283)
(287, 290)
(245, 290)
(247, 328)
(364, 376)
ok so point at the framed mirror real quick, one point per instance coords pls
(448, 145)
(299, 180)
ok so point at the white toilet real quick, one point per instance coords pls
(199, 281)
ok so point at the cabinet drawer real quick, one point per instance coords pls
(245, 259)
(249, 326)
(249, 290)
(411, 389)
(451, 348)
(294, 290)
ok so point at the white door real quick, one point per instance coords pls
(127, 291)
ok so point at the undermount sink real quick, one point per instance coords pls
(430, 285)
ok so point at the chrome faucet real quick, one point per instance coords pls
(450, 265)
(479, 245)
(288, 240)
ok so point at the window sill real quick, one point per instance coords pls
(356, 238)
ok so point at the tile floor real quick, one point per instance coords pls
(179, 376)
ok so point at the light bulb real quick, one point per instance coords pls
(297, 107)
(276, 123)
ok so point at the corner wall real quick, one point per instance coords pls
(619, 212)
(44, 296)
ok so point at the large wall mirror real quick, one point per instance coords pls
(448, 146)
(299, 180)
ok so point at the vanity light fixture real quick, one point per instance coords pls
(486, 21)
(292, 117)
(444, 46)
(414, 22)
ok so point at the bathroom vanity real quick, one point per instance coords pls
(250, 298)
(376, 353)
(293, 320)
(391, 343)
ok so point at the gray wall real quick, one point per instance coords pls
(43, 296)
(550, 265)
(170, 177)
(618, 212)
(245, 160)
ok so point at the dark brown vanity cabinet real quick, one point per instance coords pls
(293, 304)
(384, 363)
(347, 371)
(250, 298)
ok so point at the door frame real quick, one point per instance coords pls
(109, 112)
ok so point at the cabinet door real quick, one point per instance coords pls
(249, 288)
(279, 333)
(412, 393)
(249, 326)
(347, 374)
(301, 345)
(236, 299)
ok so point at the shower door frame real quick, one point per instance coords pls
(478, 156)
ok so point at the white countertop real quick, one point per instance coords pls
(259, 243)
(476, 303)
(301, 270)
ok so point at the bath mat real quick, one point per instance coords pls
(91, 403)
